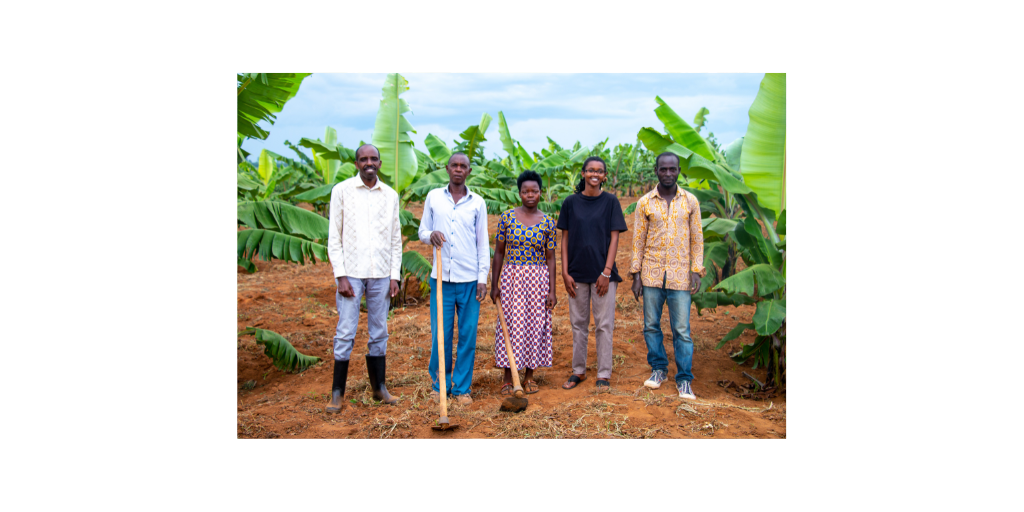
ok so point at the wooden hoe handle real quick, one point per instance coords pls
(517, 389)
(440, 340)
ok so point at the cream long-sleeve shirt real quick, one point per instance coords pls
(365, 239)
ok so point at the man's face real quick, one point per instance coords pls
(367, 162)
(458, 169)
(667, 170)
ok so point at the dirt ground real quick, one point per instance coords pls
(297, 302)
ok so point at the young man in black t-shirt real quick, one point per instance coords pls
(591, 221)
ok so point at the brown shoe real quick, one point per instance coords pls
(464, 399)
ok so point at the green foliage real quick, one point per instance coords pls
(280, 351)
(260, 97)
(764, 146)
(391, 135)
(417, 265)
(762, 279)
(769, 315)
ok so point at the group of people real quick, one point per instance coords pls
(365, 250)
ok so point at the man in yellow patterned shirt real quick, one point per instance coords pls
(668, 258)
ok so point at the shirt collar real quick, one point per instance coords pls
(448, 193)
(360, 183)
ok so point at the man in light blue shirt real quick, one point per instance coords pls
(455, 222)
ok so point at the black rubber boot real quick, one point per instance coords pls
(338, 387)
(375, 366)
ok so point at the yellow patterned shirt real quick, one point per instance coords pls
(667, 245)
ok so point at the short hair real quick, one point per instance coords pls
(529, 176)
(363, 146)
(460, 153)
(667, 153)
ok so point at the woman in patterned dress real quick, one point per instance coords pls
(526, 284)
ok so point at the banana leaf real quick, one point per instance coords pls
(733, 151)
(769, 315)
(261, 96)
(682, 132)
(763, 158)
(524, 156)
(428, 182)
(507, 143)
(474, 136)
(439, 152)
(780, 228)
(267, 167)
(765, 246)
(764, 277)
(267, 244)
(700, 119)
(414, 263)
(733, 334)
(284, 218)
(285, 357)
(319, 194)
(391, 136)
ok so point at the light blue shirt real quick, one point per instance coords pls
(466, 252)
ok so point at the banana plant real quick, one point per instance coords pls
(473, 139)
(279, 230)
(260, 97)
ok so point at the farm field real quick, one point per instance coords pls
(298, 303)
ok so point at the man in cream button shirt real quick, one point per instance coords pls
(365, 248)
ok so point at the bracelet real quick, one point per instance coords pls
(602, 275)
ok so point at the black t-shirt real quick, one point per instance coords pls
(590, 222)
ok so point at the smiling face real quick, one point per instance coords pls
(529, 193)
(367, 162)
(458, 169)
(593, 174)
(668, 170)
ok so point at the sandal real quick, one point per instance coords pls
(530, 387)
(573, 381)
(603, 386)
(506, 389)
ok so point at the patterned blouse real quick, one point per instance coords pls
(525, 245)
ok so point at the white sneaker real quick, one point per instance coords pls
(685, 391)
(657, 377)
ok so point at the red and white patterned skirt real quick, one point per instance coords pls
(524, 290)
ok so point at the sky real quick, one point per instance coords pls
(565, 107)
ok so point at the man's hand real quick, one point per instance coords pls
(570, 284)
(694, 282)
(481, 292)
(551, 300)
(344, 288)
(637, 287)
(437, 239)
(602, 286)
(394, 287)
(495, 293)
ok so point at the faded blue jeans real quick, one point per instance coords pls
(459, 300)
(679, 320)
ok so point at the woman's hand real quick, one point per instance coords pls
(570, 285)
(602, 285)
(552, 299)
(495, 293)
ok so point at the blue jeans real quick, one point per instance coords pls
(679, 319)
(459, 298)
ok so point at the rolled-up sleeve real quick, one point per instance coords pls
(335, 251)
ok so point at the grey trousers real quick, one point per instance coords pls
(376, 291)
(604, 325)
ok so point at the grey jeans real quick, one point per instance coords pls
(376, 291)
(604, 325)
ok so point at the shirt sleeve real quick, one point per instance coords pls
(551, 243)
(618, 220)
(335, 251)
(483, 252)
(565, 214)
(502, 225)
(696, 236)
(639, 234)
(427, 222)
(396, 242)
